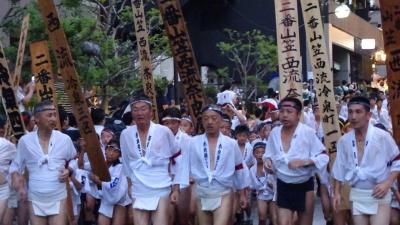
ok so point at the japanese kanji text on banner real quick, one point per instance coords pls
(288, 42)
(73, 88)
(318, 52)
(184, 57)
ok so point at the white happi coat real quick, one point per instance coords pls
(7, 154)
(44, 170)
(304, 145)
(262, 184)
(247, 155)
(229, 172)
(149, 173)
(182, 141)
(380, 158)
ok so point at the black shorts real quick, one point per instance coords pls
(293, 196)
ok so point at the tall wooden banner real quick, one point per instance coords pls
(41, 69)
(321, 68)
(184, 57)
(142, 40)
(390, 11)
(288, 42)
(21, 51)
(73, 88)
(9, 99)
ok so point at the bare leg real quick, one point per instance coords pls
(161, 214)
(9, 216)
(36, 220)
(204, 217)
(89, 208)
(221, 216)
(234, 208)
(273, 213)
(119, 215)
(382, 217)
(129, 214)
(23, 212)
(61, 218)
(172, 213)
(103, 220)
(394, 216)
(3, 208)
(141, 217)
(361, 220)
(285, 216)
(184, 206)
(262, 207)
(326, 203)
(306, 217)
(193, 204)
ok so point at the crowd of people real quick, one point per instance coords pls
(273, 160)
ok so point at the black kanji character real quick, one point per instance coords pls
(9, 98)
(291, 63)
(63, 58)
(310, 6)
(172, 15)
(42, 61)
(313, 22)
(288, 44)
(324, 91)
(4, 75)
(288, 20)
(317, 49)
(326, 107)
(43, 77)
(46, 93)
(320, 64)
(53, 23)
(315, 37)
(288, 35)
(394, 62)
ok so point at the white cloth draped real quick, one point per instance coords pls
(378, 161)
(304, 145)
(149, 173)
(229, 173)
(44, 184)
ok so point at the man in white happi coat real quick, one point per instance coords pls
(172, 120)
(294, 152)
(368, 160)
(217, 167)
(147, 150)
(45, 154)
(7, 154)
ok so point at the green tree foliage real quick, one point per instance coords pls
(254, 55)
(108, 24)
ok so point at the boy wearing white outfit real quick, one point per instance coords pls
(44, 153)
(147, 150)
(368, 160)
(217, 167)
(294, 152)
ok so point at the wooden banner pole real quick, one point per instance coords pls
(73, 88)
(21, 51)
(142, 40)
(288, 42)
(323, 76)
(184, 57)
(44, 77)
